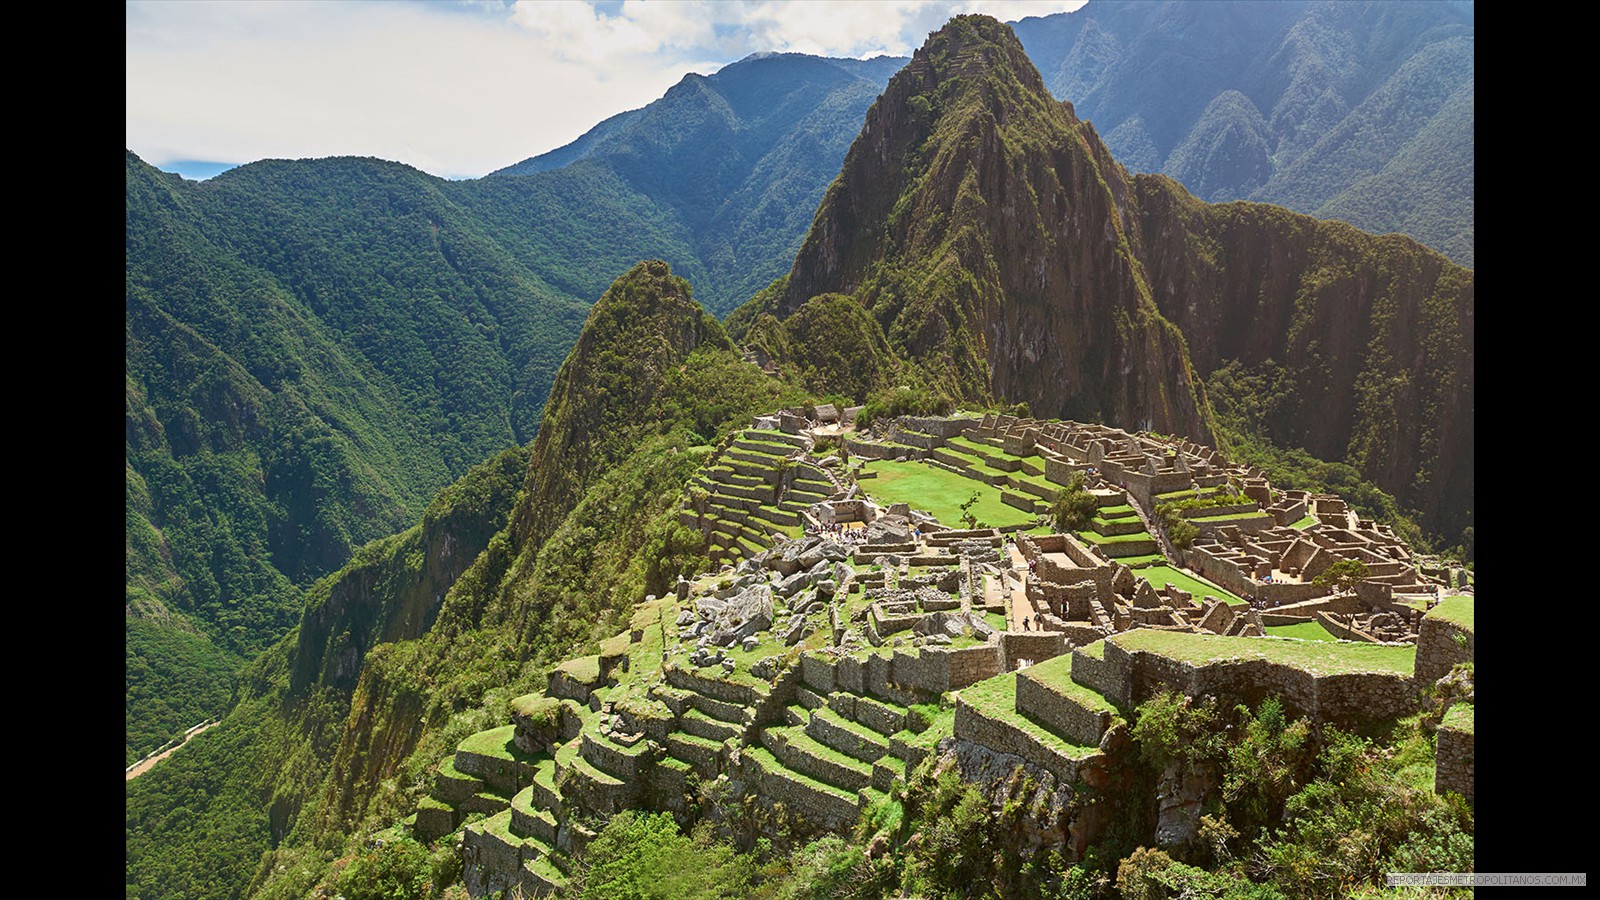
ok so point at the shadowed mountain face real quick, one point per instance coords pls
(1356, 111)
(1005, 254)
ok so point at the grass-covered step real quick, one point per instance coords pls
(702, 753)
(749, 481)
(612, 758)
(434, 820)
(774, 516)
(763, 494)
(805, 497)
(596, 792)
(793, 441)
(797, 716)
(1160, 576)
(529, 818)
(754, 457)
(541, 876)
(697, 723)
(493, 756)
(1130, 524)
(484, 802)
(808, 698)
(500, 853)
(769, 448)
(881, 716)
(453, 786)
(814, 799)
(798, 751)
(1047, 694)
(986, 713)
(721, 710)
(850, 738)
(885, 771)
(1117, 546)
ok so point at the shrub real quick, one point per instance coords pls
(1074, 507)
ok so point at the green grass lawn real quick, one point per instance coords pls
(1311, 631)
(1457, 610)
(1305, 522)
(940, 493)
(1199, 587)
(1315, 657)
(1460, 717)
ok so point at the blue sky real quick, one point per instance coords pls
(459, 88)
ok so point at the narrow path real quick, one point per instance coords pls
(149, 762)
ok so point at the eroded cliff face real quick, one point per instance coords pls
(992, 235)
(1373, 335)
(1007, 256)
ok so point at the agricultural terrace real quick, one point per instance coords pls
(1161, 575)
(1306, 631)
(938, 491)
(1317, 658)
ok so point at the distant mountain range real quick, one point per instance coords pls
(1358, 111)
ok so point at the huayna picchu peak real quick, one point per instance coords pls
(1045, 532)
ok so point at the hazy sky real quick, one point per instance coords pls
(459, 88)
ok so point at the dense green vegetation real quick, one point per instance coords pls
(196, 684)
(338, 726)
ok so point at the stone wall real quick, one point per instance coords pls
(942, 427)
(969, 665)
(972, 725)
(1438, 651)
(877, 451)
(1345, 700)
(1059, 712)
(1037, 646)
(1455, 762)
(826, 808)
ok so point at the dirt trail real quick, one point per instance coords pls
(149, 762)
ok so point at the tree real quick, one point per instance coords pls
(1074, 507)
(1343, 575)
(966, 512)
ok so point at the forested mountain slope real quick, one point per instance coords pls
(315, 347)
(420, 639)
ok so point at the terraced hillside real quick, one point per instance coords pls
(821, 731)
(754, 488)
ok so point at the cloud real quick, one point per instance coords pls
(458, 89)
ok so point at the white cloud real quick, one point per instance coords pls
(459, 89)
